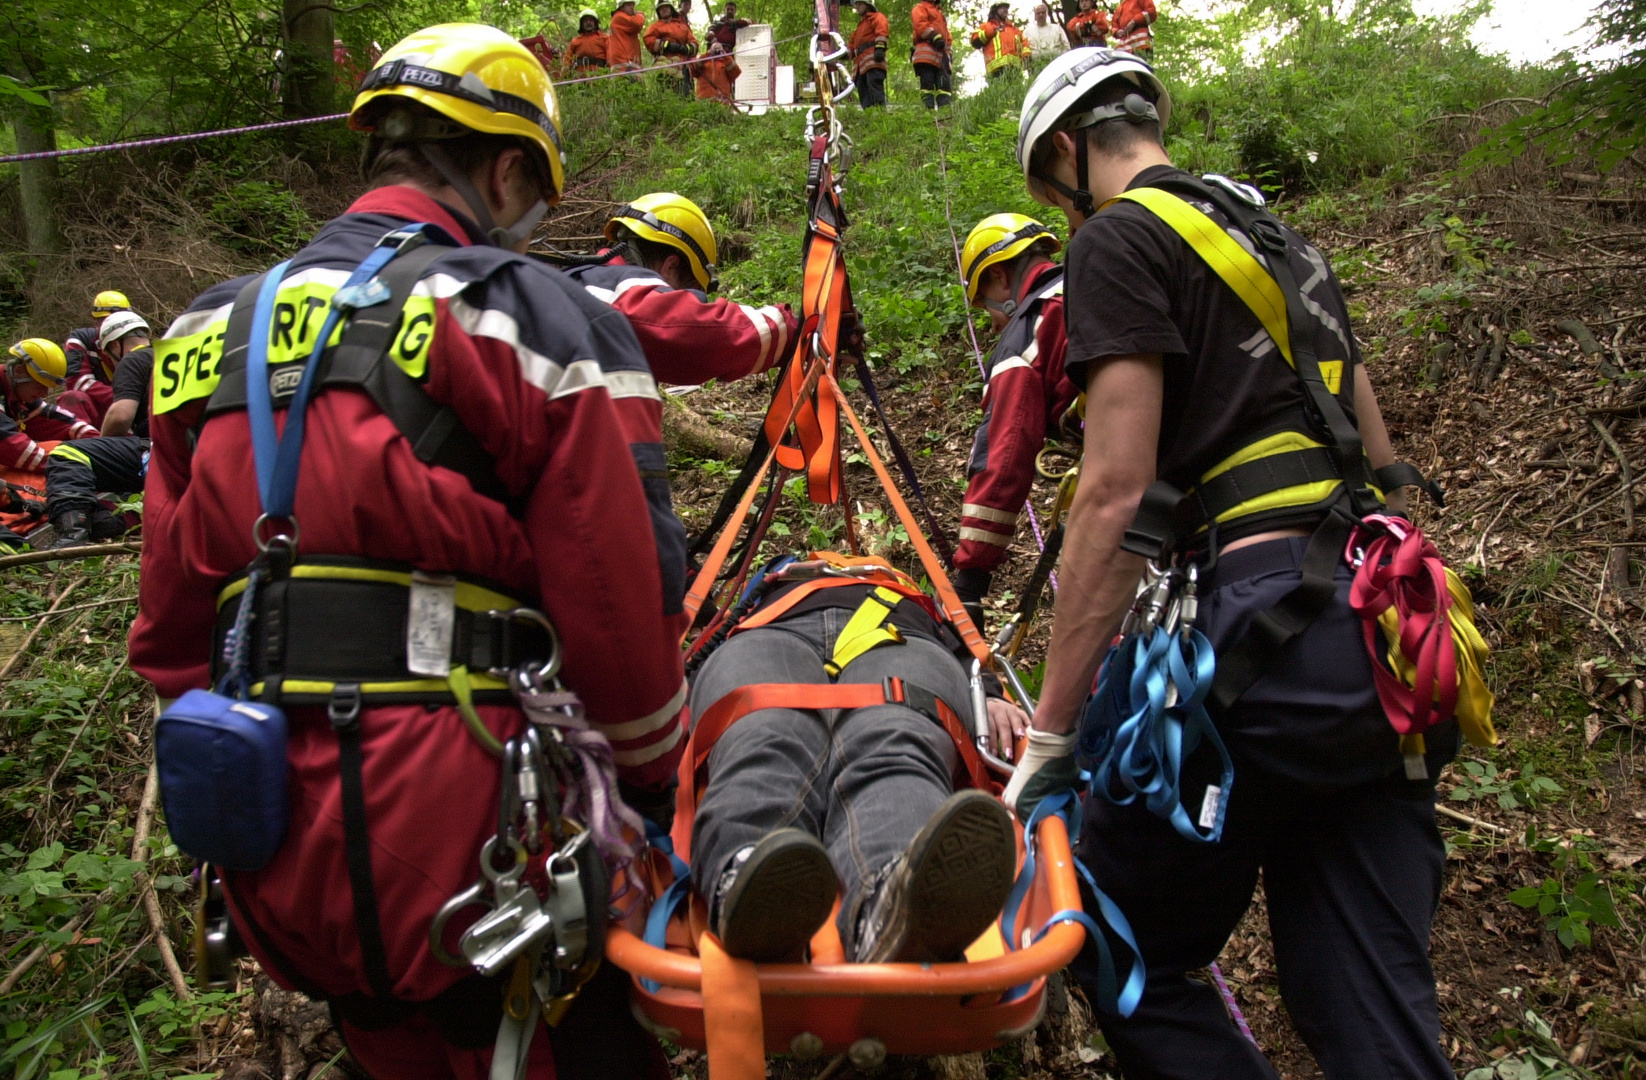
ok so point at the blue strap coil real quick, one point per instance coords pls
(1139, 734)
(657, 919)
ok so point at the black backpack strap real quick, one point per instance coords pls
(361, 358)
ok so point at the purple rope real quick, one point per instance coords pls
(591, 798)
(977, 350)
(166, 140)
(1232, 1005)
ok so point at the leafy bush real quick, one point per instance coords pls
(258, 217)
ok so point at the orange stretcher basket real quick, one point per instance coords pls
(694, 995)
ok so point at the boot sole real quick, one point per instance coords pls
(961, 870)
(781, 896)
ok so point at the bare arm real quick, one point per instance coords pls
(119, 418)
(1123, 400)
(1374, 434)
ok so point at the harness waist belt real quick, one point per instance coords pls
(344, 622)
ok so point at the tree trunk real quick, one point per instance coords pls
(38, 180)
(310, 77)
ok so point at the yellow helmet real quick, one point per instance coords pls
(107, 302)
(667, 218)
(999, 238)
(43, 360)
(474, 75)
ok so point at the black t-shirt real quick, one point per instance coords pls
(1134, 286)
(131, 383)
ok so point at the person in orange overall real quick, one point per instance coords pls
(717, 73)
(868, 47)
(587, 51)
(1005, 48)
(670, 40)
(1090, 27)
(931, 53)
(623, 43)
(1132, 33)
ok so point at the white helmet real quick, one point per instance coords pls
(1063, 82)
(118, 325)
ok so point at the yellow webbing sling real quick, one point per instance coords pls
(1238, 268)
(867, 629)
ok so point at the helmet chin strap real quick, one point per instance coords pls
(499, 236)
(1014, 286)
(1079, 197)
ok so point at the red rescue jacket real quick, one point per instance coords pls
(930, 27)
(587, 51)
(1026, 395)
(24, 425)
(623, 43)
(871, 33)
(687, 337)
(675, 30)
(716, 77)
(1089, 28)
(1132, 21)
(552, 384)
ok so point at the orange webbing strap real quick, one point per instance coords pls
(704, 581)
(771, 612)
(732, 1021)
(720, 716)
(825, 296)
(946, 595)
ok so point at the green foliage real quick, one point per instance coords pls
(261, 218)
(1596, 110)
(1480, 780)
(1541, 1057)
(1335, 93)
(1576, 897)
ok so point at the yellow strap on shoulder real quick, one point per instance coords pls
(867, 629)
(1238, 268)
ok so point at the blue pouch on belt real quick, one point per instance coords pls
(223, 778)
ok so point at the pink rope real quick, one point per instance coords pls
(1232, 1005)
(168, 140)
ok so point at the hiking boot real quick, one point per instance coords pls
(936, 898)
(101, 524)
(773, 898)
(70, 526)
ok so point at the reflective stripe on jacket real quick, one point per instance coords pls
(1026, 395)
(930, 25)
(1090, 28)
(687, 337)
(1139, 36)
(1003, 45)
(871, 34)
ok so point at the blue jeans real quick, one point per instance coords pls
(862, 781)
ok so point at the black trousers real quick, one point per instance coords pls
(1348, 850)
(77, 471)
(871, 88)
(935, 84)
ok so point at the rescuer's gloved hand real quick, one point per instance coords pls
(1048, 767)
(880, 54)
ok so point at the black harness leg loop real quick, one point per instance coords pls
(344, 711)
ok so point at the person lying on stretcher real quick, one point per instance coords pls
(801, 803)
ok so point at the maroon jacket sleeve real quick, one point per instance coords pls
(55, 422)
(17, 450)
(690, 339)
(1024, 397)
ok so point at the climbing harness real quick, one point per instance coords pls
(1149, 710)
(416, 637)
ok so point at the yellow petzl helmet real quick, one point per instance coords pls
(474, 75)
(107, 302)
(43, 360)
(667, 218)
(999, 238)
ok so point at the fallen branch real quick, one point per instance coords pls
(84, 551)
(688, 432)
(151, 902)
(1624, 471)
(8, 984)
(1471, 821)
(23, 649)
(90, 714)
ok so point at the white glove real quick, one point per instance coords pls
(1047, 767)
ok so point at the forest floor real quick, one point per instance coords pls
(1463, 293)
